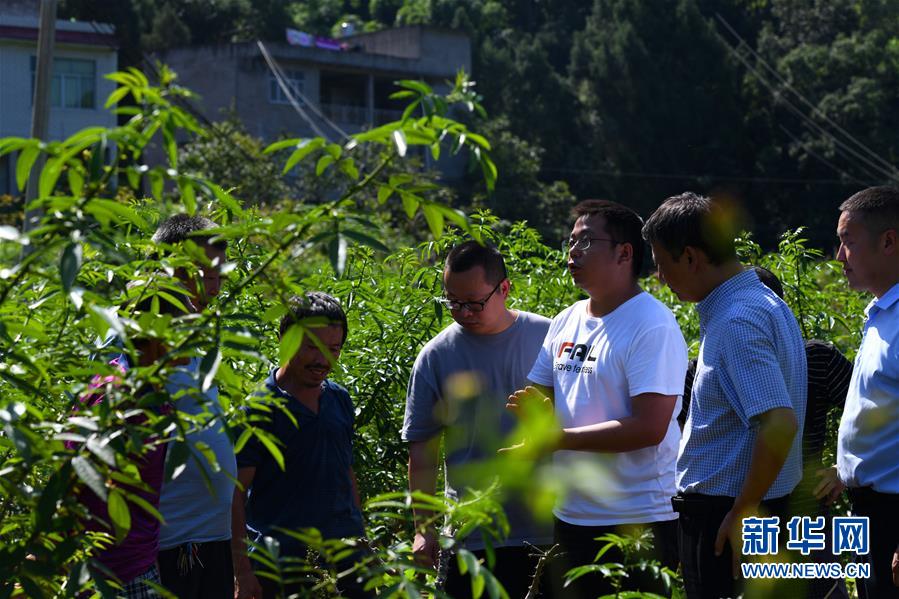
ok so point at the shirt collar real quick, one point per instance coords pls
(720, 295)
(884, 302)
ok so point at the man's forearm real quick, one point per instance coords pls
(772, 446)
(239, 532)
(423, 465)
(625, 434)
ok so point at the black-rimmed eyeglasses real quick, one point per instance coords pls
(456, 305)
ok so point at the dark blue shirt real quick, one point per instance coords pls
(314, 489)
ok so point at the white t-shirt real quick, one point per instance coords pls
(595, 366)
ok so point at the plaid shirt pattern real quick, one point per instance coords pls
(138, 588)
(751, 360)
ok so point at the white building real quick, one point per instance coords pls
(83, 53)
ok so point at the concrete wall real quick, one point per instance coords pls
(16, 91)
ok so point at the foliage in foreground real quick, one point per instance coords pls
(76, 278)
(89, 263)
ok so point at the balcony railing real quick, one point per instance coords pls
(358, 115)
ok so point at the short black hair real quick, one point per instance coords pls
(622, 223)
(690, 219)
(314, 304)
(180, 227)
(470, 254)
(877, 206)
(770, 280)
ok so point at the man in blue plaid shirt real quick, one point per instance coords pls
(741, 452)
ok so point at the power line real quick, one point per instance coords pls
(815, 110)
(778, 96)
(692, 177)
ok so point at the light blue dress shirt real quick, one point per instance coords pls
(868, 442)
(751, 360)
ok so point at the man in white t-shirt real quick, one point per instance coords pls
(613, 366)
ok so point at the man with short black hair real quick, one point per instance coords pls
(458, 386)
(868, 441)
(613, 365)
(317, 486)
(741, 443)
(195, 539)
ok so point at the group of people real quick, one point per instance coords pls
(609, 371)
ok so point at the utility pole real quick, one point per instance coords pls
(40, 111)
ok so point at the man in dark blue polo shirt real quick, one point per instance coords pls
(317, 487)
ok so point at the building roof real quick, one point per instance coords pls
(22, 27)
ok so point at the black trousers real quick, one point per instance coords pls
(198, 570)
(514, 568)
(579, 547)
(707, 576)
(882, 509)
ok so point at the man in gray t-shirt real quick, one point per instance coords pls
(459, 385)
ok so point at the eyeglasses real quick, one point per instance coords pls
(583, 244)
(456, 305)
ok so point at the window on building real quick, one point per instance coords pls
(294, 81)
(73, 84)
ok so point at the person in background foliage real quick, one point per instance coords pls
(741, 450)
(868, 440)
(195, 541)
(459, 384)
(316, 487)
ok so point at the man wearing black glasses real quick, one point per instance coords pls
(459, 386)
(612, 366)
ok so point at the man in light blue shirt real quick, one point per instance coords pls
(195, 540)
(741, 446)
(868, 441)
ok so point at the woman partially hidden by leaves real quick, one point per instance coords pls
(130, 558)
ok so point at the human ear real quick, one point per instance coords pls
(888, 240)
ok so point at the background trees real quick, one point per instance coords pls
(787, 105)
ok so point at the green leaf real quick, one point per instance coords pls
(49, 177)
(366, 240)
(156, 183)
(176, 459)
(337, 253)
(274, 312)
(76, 181)
(280, 145)
(306, 147)
(89, 476)
(434, 218)
(384, 193)
(399, 138)
(69, 265)
(269, 443)
(323, 163)
(290, 343)
(188, 196)
(24, 163)
(116, 96)
(119, 514)
(209, 365)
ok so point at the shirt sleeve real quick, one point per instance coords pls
(839, 374)
(657, 361)
(420, 422)
(542, 370)
(753, 380)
